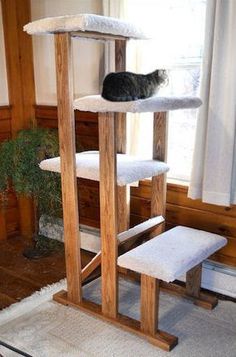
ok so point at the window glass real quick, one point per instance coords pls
(177, 31)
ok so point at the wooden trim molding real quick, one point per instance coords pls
(20, 75)
(19, 55)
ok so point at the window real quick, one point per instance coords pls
(177, 28)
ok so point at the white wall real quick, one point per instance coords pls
(87, 55)
(4, 100)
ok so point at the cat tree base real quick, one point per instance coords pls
(161, 339)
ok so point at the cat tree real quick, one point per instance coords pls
(115, 172)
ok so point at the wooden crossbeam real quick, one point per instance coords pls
(91, 266)
(161, 339)
(97, 36)
(140, 229)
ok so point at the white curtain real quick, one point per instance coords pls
(213, 177)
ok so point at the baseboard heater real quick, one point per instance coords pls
(216, 277)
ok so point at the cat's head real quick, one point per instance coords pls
(161, 77)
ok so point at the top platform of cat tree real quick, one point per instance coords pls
(86, 25)
(95, 103)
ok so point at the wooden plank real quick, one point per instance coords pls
(9, 283)
(50, 112)
(3, 226)
(162, 339)
(123, 207)
(160, 136)
(177, 194)
(209, 221)
(5, 136)
(224, 259)
(193, 281)
(5, 126)
(97, 35)
(159, 152)
(68, 174)
(23, 9)
(140, 229)
(91, 266)
(140, 206)
(121, 143)
(230, 248)
(5, 112)
(204, 300)
(149, 304)
(6, 301)
(108, 213)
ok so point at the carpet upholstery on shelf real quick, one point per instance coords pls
(95, 103)
(85, 22)
(129, 168)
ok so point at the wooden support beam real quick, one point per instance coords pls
(149, 304)
(158, 198)
(161, 339)
(140, 229)
(193, 281)
(204, 300)
(66, 126)
(98, 36)
(91, 266)
(121, 137)
(108, 212)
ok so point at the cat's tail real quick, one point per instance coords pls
(160, 76)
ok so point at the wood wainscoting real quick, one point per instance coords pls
(180, 209)
(9, 213)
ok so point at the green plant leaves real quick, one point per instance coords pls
(19, 164)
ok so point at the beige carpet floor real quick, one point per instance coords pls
(43, 328)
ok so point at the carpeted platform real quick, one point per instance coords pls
(43, 328)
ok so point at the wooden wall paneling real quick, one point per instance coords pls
(20, 74)
(209, 221)
(12, 221)
(180, 209)
(5, 122)
(177, 194)
(86, 125)
(3, 226)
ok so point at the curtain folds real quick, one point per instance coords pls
(213, 177)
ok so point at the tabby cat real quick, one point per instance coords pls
(126, 86)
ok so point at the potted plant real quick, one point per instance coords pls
(19, 167)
